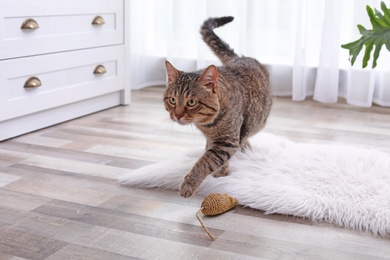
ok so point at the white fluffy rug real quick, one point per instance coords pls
(347, 186)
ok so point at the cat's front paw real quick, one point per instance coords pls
(187, 188)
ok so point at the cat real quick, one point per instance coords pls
(228, 104)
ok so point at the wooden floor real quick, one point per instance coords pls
(59, 198)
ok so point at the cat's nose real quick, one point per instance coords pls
(178, 116)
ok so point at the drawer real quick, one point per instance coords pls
(64, 78)
(63, 26)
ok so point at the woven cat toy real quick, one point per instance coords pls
(215, 204)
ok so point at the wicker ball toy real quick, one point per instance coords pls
(215, 204)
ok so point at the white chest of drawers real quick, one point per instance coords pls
(60, 60)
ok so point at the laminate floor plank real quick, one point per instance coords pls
(54, 187)
(19, 243)
(37, 139)
(11, 156)
(6, 179)
(46, 226)
(42, 152)
(72, 251)
(20, 201)
(129, 222)
(145, 247)
(59, 198)
(269, 248)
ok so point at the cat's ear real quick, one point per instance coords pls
(172, 73)
(209, 77)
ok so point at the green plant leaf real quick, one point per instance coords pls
(377, 37)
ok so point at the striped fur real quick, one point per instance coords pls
(228, 104)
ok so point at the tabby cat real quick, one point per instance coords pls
(228, 104)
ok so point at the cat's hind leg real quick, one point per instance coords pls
(221, 171)
(245, 145)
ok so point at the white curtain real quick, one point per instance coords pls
(298, 40)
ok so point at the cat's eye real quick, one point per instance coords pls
(191, 103)
(172, 100)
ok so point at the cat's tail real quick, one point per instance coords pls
(220, 48)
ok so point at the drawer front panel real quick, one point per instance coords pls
(64, 78)
(62, 26)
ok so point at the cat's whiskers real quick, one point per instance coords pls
(185, 134)
(167, 129)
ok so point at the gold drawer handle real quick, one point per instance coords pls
(98, 20)
(100, 69)
(29, 24)
(32, 82)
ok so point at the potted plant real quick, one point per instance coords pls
(378, 36)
